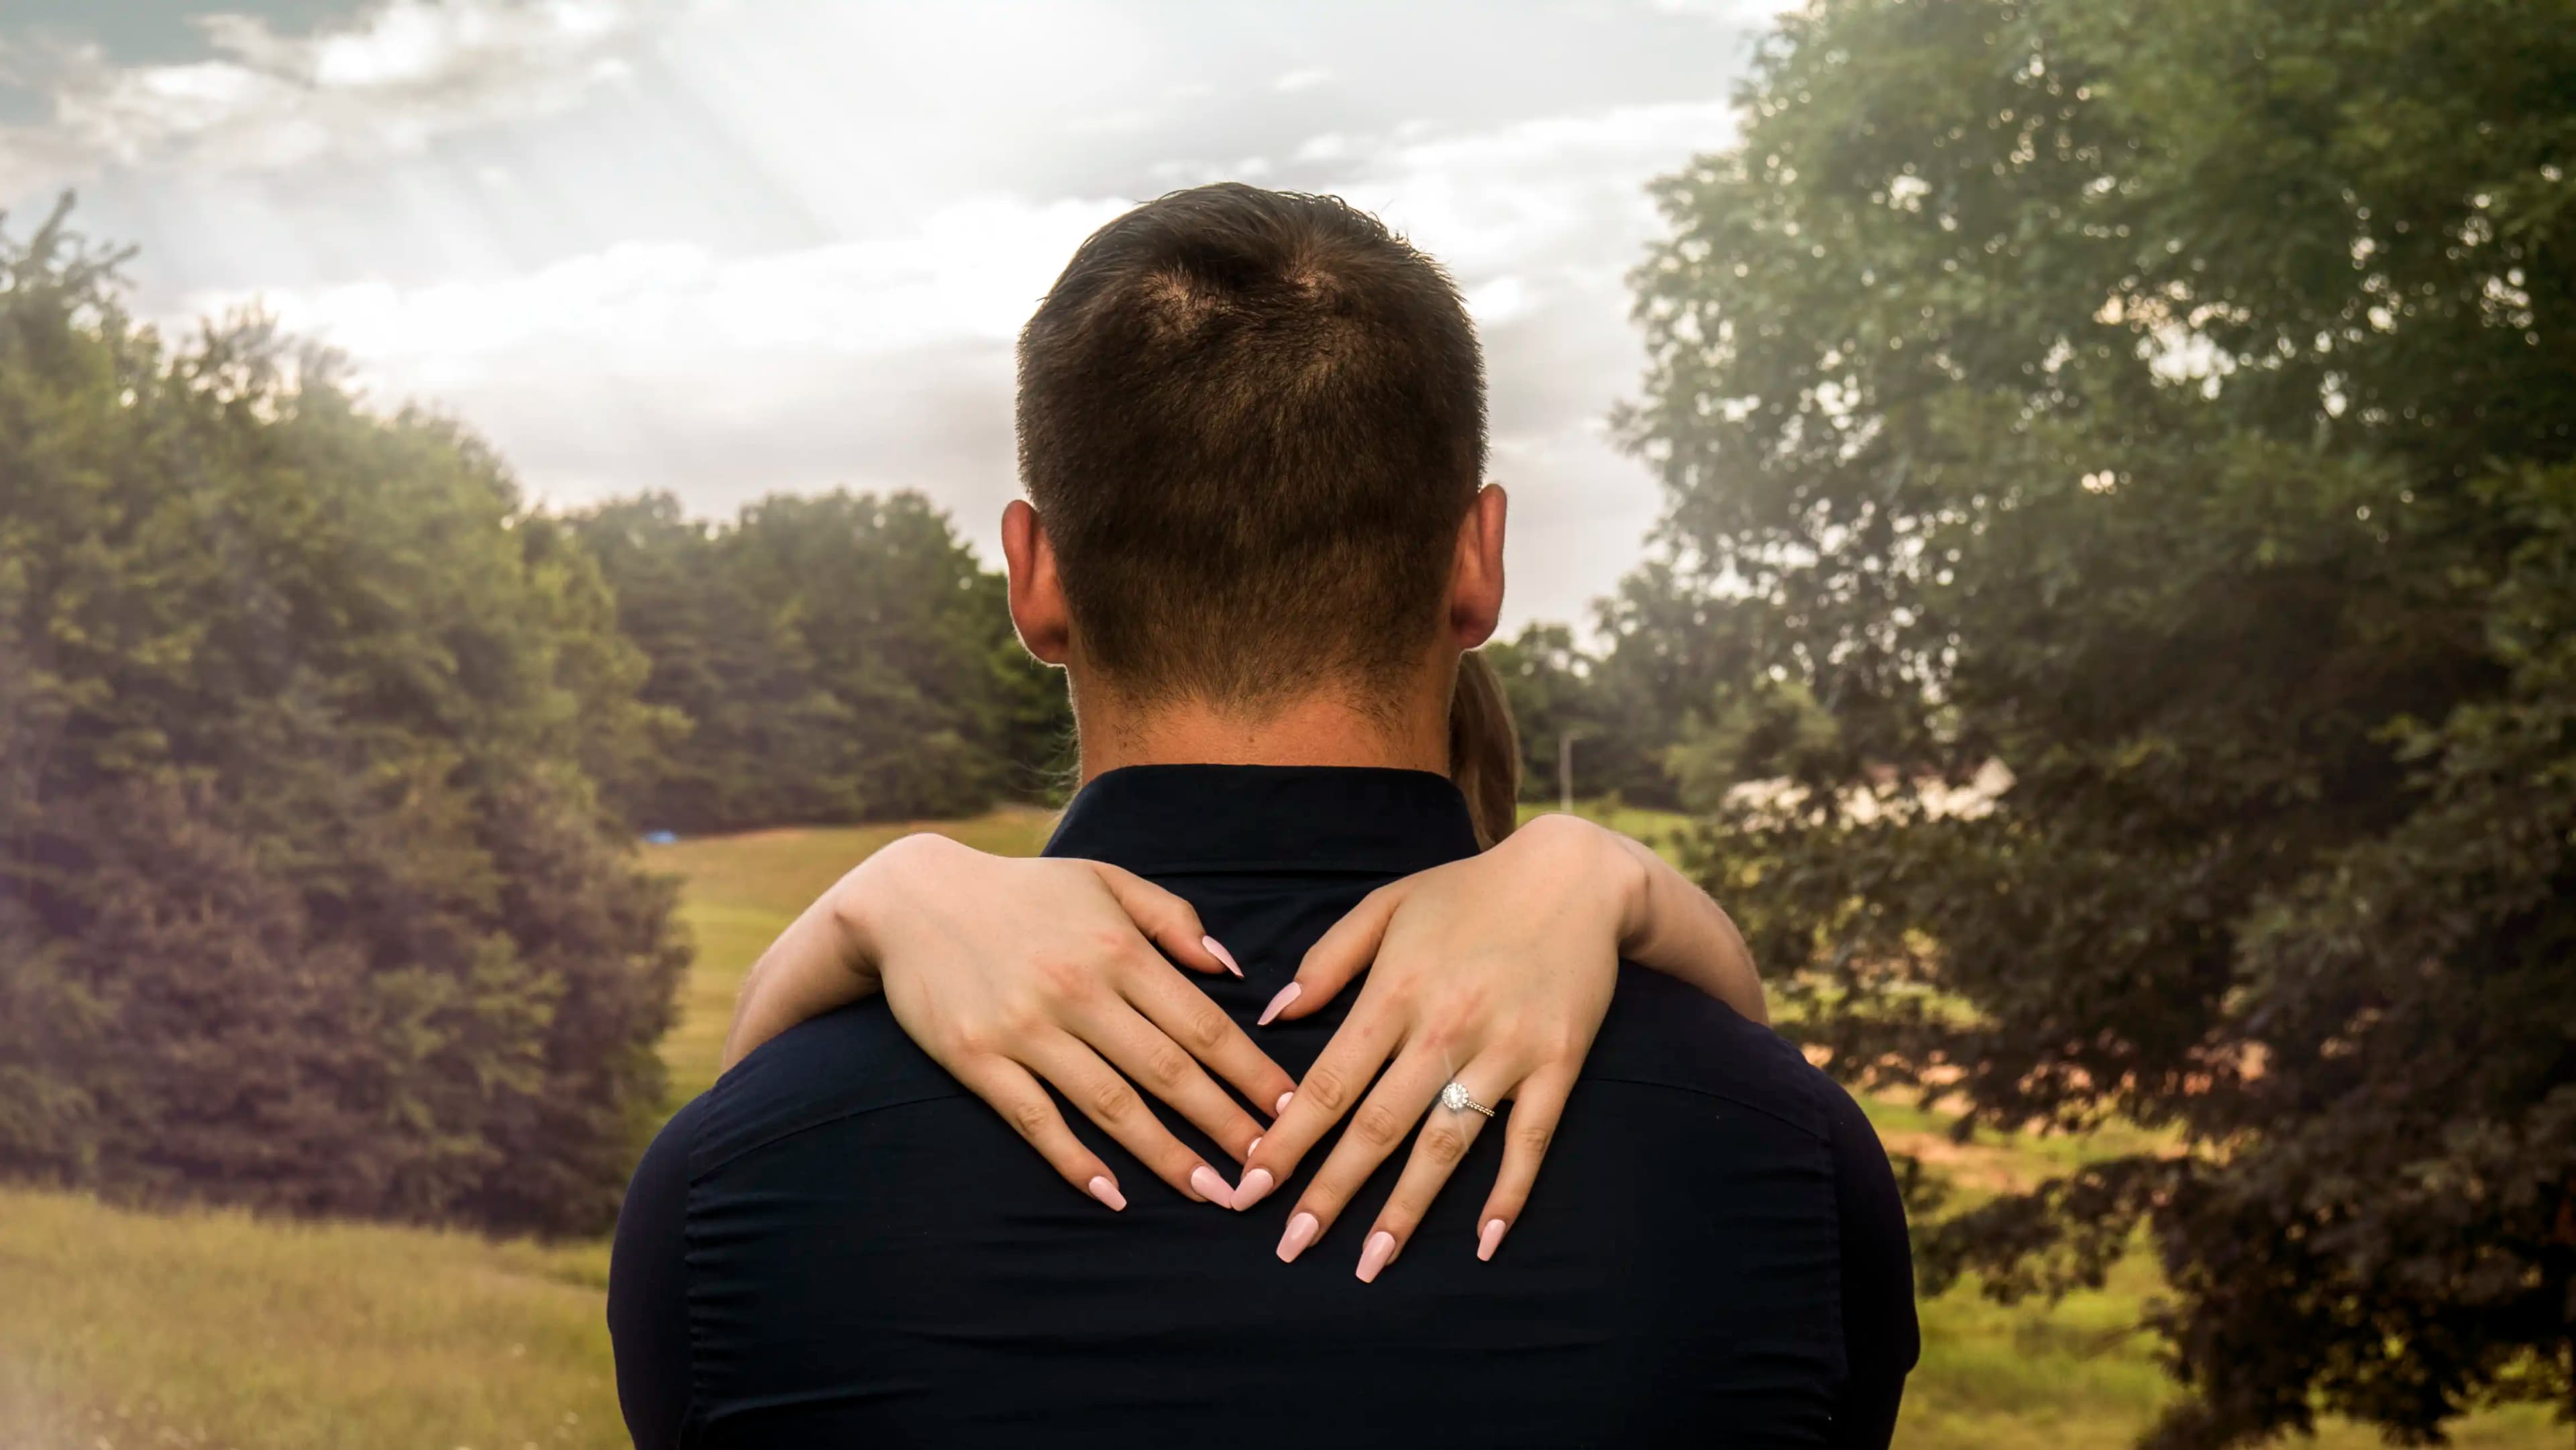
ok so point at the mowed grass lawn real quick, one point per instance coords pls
(122, 1329)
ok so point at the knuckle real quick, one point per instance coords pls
(1031, 1117)
(1204, 1030)
(1018, 1027)
(1166, 1066)
(1111, 1100)
(1443, 1145)
(1327, 1089)
(1063, 978)
(1532, 1135)
(1444, 1036)
(1377, 1125)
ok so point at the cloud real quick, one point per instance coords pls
(729, 247)
(970, 272)
(880, 363)
(1730, 12)
(883, 360)
(386, 83)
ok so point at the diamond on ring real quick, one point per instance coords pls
(1457, 1099)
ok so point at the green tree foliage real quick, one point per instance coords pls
(832, 659)
(1545, 681)
(1623, 708)
(305, 900)
(2177, 404)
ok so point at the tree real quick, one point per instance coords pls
(306, 900)
(2177, 405)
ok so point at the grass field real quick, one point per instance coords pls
(120, 1331)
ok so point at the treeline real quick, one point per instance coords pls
(846, 657)
(838, 658)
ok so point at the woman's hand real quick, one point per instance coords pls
(1493, 972)
(1009, 971)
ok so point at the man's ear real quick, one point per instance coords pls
(1037, 593)
(1476, 578)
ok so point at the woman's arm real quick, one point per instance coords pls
(824, 959)
(1675, 928)
(1011, 972)
(815, 966)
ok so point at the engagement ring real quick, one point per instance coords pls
(1456, 1099)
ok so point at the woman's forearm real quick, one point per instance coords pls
(1675, 928)
(816, 965)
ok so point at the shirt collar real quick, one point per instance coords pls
(1179, 820)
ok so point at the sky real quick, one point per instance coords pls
(728, 248)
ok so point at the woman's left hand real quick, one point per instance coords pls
(1493, 972)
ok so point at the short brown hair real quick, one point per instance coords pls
(1251, 422)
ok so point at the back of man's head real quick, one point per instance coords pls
(1251, 423)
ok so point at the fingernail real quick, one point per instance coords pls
(1280, 1108)
(1255, 1148)
(1287, 994)
(1302, 1229)
(1107, 1192)
(1255, 1187)
(1204, 1179)
(1223, 957)
(1491, 1239)
(1380, 1248)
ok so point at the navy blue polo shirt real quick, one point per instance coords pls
(838, 1245)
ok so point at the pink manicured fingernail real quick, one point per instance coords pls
(1491, 1239)
(1204, 1179)
(1107, 1192)
(1279, 1109)
(1255, 1187)
(1287, 994)
(1223, 957)
(1255, 1148)
(1301, 1231)
(1373, 1257)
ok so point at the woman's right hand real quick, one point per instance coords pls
(1011, 972)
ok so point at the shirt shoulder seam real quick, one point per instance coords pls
(704, 1160)
(1819, 1130)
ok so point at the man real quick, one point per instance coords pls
(1252, 427)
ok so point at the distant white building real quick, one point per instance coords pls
(1871, 802)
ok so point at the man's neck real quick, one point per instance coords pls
(1312, 730)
